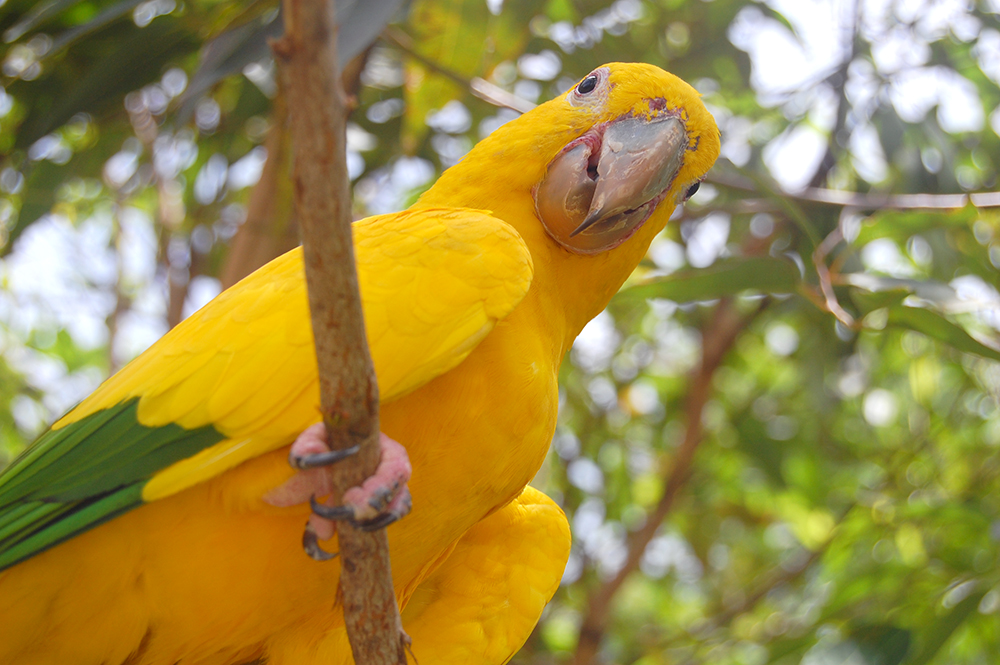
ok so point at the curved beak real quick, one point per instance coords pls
(638, 161)
(595, 195)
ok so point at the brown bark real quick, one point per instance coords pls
(719, 336)
(348, 391)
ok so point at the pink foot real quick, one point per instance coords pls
(382, 499)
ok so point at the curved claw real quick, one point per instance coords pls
(321, 459)
(378, 523)
(310, 543)
(398, 509)
(331, 512)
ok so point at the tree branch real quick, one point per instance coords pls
(479, 87)
(720, 334)
(348, 390)
(825, 282)
(838, 80)
(870, 201)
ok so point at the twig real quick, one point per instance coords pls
(876, 201)
(348, 390)
(479, 87)
(825, 285)
(720, 334)
(838, 81)
(774, 580)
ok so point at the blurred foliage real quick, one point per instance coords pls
(843, 504)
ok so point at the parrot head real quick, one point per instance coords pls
(603, 185)
(590, 177)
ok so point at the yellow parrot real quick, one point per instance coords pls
(144, 528)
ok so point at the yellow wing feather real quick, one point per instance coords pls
(433, 283)
(482, 603)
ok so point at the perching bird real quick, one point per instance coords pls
(151, 524)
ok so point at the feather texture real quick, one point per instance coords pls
(467, 329)
(238, 378)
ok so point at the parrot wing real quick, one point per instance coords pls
(238, 378)
(481, 604)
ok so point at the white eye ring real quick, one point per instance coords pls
(594, 95)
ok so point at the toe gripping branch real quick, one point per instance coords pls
(381, 500)
(316, 460)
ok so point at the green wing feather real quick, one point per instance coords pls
(61, 486)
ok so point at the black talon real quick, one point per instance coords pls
(321, 459)
(381, 499)
(377, 523)
(331, 512)
(310, 543)
(388, 518)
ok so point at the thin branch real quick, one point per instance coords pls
(479, 87)
(838, 80)
(348, 391)
(776, 578)
(499, 97)
(870, 201)
(825, 284)
(719, 335)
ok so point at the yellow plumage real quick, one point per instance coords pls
(470, 306)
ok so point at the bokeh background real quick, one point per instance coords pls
(777, 445)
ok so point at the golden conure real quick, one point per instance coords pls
(135, 530)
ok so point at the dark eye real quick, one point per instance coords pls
(691, 190)
(587, 85)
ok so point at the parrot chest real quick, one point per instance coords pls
(475, 435)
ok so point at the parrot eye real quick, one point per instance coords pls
(587, 85)
(591, 92)
(691, 190)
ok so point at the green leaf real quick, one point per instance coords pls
(882, 644)
(101, 87)
(41, 182)
(780, 18)
(926, 289)
(723, 278)
(901, 224)
(937, 327)
(937, 635)
(38, 15)
(110, 14)
(869, 301)
(229, 52)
